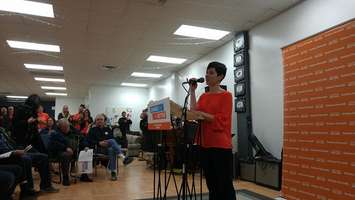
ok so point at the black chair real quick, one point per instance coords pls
(101, 158)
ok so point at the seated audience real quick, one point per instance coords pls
(26, 160)
(7, 184)
(86, 122)
(101, 139)
(10, 176)
(10, 117)
(65, 113)
(45, 135)
(3, 116)
(78, 117)
(61, 146)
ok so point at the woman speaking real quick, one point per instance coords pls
(215, 108)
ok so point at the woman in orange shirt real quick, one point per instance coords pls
(215, 108)
(42, 118)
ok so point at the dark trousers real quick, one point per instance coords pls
(10, 176)
(65, 159)
(7, 181)
(40, 161)
(29, 160)
(217, 168)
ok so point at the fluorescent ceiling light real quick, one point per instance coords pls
(53, 88)
(16, 97)
(56, 94)
(163, 59)
(27, 7)
(44, 67)
(200, 32)
(33, 46)
(134, 84)
(148, 75)
(50, 79)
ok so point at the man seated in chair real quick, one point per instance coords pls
(27, 160)
(100, 138)
(61, 146)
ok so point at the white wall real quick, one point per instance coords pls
(101, 97)
(266, 41)
(266, 69)
(165, 88)
(73, 104)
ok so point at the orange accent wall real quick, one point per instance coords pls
(319, 116)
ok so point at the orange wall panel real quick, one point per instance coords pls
(319, 116)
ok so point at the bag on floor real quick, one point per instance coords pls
(85, 161)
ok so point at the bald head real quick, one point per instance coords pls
(65, 109)
(63, 125)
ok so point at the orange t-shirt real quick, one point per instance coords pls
(216, 133)
(42, 120)
(76, 121)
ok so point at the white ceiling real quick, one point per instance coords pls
(121, 33)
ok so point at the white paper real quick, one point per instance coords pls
(85, 162)
(86, 155)
(5, 155)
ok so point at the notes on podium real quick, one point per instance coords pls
(160, 113)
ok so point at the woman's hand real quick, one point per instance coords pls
(203, 116)
(31, 120)
(193, 84)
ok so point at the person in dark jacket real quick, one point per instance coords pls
(147, 136)
(10, 117)
(27, 160)
(45, 135)
(60, 147)
(65, 113)
(25, 124)
(3, 116)
(101, 139)
(124, 123)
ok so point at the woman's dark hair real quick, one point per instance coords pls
(33, 101)
(54, 122)
(219, 67)
(87, 110)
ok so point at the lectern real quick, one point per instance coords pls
(163, 117)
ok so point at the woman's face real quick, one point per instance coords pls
(40, 109)
(10, 110)
(86, 113)
(3, 110)
(212, 78)
(50, 122)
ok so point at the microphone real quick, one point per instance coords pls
(194, 81)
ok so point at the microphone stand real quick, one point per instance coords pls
(186, 192)
(184, 184)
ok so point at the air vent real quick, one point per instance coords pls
(154, 2)
(109, 67)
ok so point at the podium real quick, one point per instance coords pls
(162, 117)
(161, 113)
